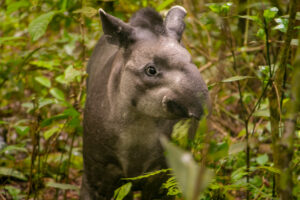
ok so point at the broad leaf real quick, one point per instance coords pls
(43, 81)
(22, 130)
(263, 159)
(45, 101)
(186, 170)
(38, 26)
(164, 4)
(87, 11)
(57, 93)
(45, 64)
(13, 148)
(62, 186)
(122, 191)
(236, 148)
(270, 13)
(4, 171)
(282, 24)
(71, 74)
(236, 78)
(50, 132)
(220, 7)
(262, 113)
(12, 7)
(270, 169)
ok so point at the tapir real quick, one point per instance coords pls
(141, 81)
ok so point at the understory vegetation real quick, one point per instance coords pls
(247, 51)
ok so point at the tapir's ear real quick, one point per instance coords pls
(116, 29)
(174, 22)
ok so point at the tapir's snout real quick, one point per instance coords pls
(187, 106)
(189, 97)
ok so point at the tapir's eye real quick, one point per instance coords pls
(150, 70)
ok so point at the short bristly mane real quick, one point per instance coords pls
(148, 18)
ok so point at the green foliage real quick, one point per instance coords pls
(270, 13)
(164, 4)
(172, 186)
(38, 26)
(122, 191)
(186, 171)
(45, 46)
(62, 186)
(12, 173)
(220, 8)
(147, 175)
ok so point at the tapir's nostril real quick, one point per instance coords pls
(193, 115)
(176, 108)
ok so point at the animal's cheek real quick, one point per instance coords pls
(151, 102)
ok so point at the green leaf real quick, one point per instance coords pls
(43, 81)
(50, 132)
(164, 4)
(263, 159)
(270, 169)
(71, 74)
(12, 148)
(3, 122)
(295, 42)
(282, 24)
(236, 148)
(57, 93)
(270, 13)
(236, 78)
(87, 11)
(45, 101)
(172, 186)
(261, 33)
(50, 120)
(122, 191)
(220, 7)
(61, 79)
(238, 174)
(4, 171)
(38, 26)
(262, 113)
(185, 169)
(218, 150)
(22, 130)
(256, 19)
(45, 64)
(6, 40)
(180, 132)
(62, 186)
(13, 191)
(147, 175)
(71, 112)
(12, 7)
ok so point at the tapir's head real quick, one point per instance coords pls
(157, 76)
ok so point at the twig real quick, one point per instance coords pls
(247, 25)
(35, 138)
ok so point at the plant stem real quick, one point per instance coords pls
(282, 150)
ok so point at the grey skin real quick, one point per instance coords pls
(141, 82)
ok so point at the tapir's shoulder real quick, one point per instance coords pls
(102, 52)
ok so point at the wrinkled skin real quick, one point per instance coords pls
(128, 108)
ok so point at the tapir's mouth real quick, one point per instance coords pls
(178, 110)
